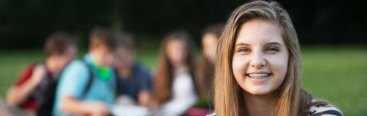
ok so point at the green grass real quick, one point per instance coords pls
(11, 65)
(337, 74)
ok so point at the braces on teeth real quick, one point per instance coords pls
(258, 76)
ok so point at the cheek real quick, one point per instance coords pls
(117, 62)
(176, 56)
(209, 52)
(97, 55)
(239, 66)
(279, 65)
(171, 55)
(63, 61)
(107, 58)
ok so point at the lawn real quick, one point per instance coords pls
(337, 74)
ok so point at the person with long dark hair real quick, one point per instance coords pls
(175, 86)
(258, 66)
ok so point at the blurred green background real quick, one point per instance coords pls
(333, 36)
(335, 73)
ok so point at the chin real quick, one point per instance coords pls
(258, 91)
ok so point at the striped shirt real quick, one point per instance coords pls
(317, 107)
(321, 108)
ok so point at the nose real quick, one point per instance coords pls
(257, 60)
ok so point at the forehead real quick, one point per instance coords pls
(105, 49)
(209, 38)
(259, 32)
(72, 49)
(120, 50)
(175, 43)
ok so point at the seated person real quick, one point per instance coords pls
(88, 87)
(30, 89)
(175, 88)
(134, 79)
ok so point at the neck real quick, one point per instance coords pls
(260, 105)
(180, 69)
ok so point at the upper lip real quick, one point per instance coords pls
(259, 73)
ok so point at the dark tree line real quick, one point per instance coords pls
(26, 23)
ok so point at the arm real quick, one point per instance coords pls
(71, 86)
(185, 96)
(78, 107)
(18, 94)
(144, 98)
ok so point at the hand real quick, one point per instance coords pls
(98, 109)
(38, 73)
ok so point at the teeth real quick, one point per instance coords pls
(259, 76)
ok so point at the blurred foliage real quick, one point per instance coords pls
(26, 23)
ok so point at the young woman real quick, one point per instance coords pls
(258, 67)
(174, 87)
(209, 41)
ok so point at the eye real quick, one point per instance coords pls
(272, 49)
(244, 50)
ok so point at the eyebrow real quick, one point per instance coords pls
(271, 43)
(243, 44)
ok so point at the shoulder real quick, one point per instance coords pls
(26, 74)
(76, 67)
(75, 70)
(322, 108)
(141, 69)
(140, 66)
(76, 64)
(29, 69)
(73, 80)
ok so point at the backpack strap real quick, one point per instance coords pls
(47, 100)
(117, 83)
(90, 79)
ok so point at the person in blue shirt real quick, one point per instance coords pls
(87, 87)
(134, 79)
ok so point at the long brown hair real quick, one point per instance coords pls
(228, 97)
(164, 78)
(206, 67)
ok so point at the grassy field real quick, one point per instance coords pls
(337, 74)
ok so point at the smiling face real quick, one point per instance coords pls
(176, 52)
(260, 57)
(102, 55)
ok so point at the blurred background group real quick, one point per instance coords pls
(139, 57)
(108, 80)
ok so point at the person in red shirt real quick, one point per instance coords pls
(60, 49)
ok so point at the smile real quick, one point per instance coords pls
(258, 75)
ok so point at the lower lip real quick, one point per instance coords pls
(258, 81)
